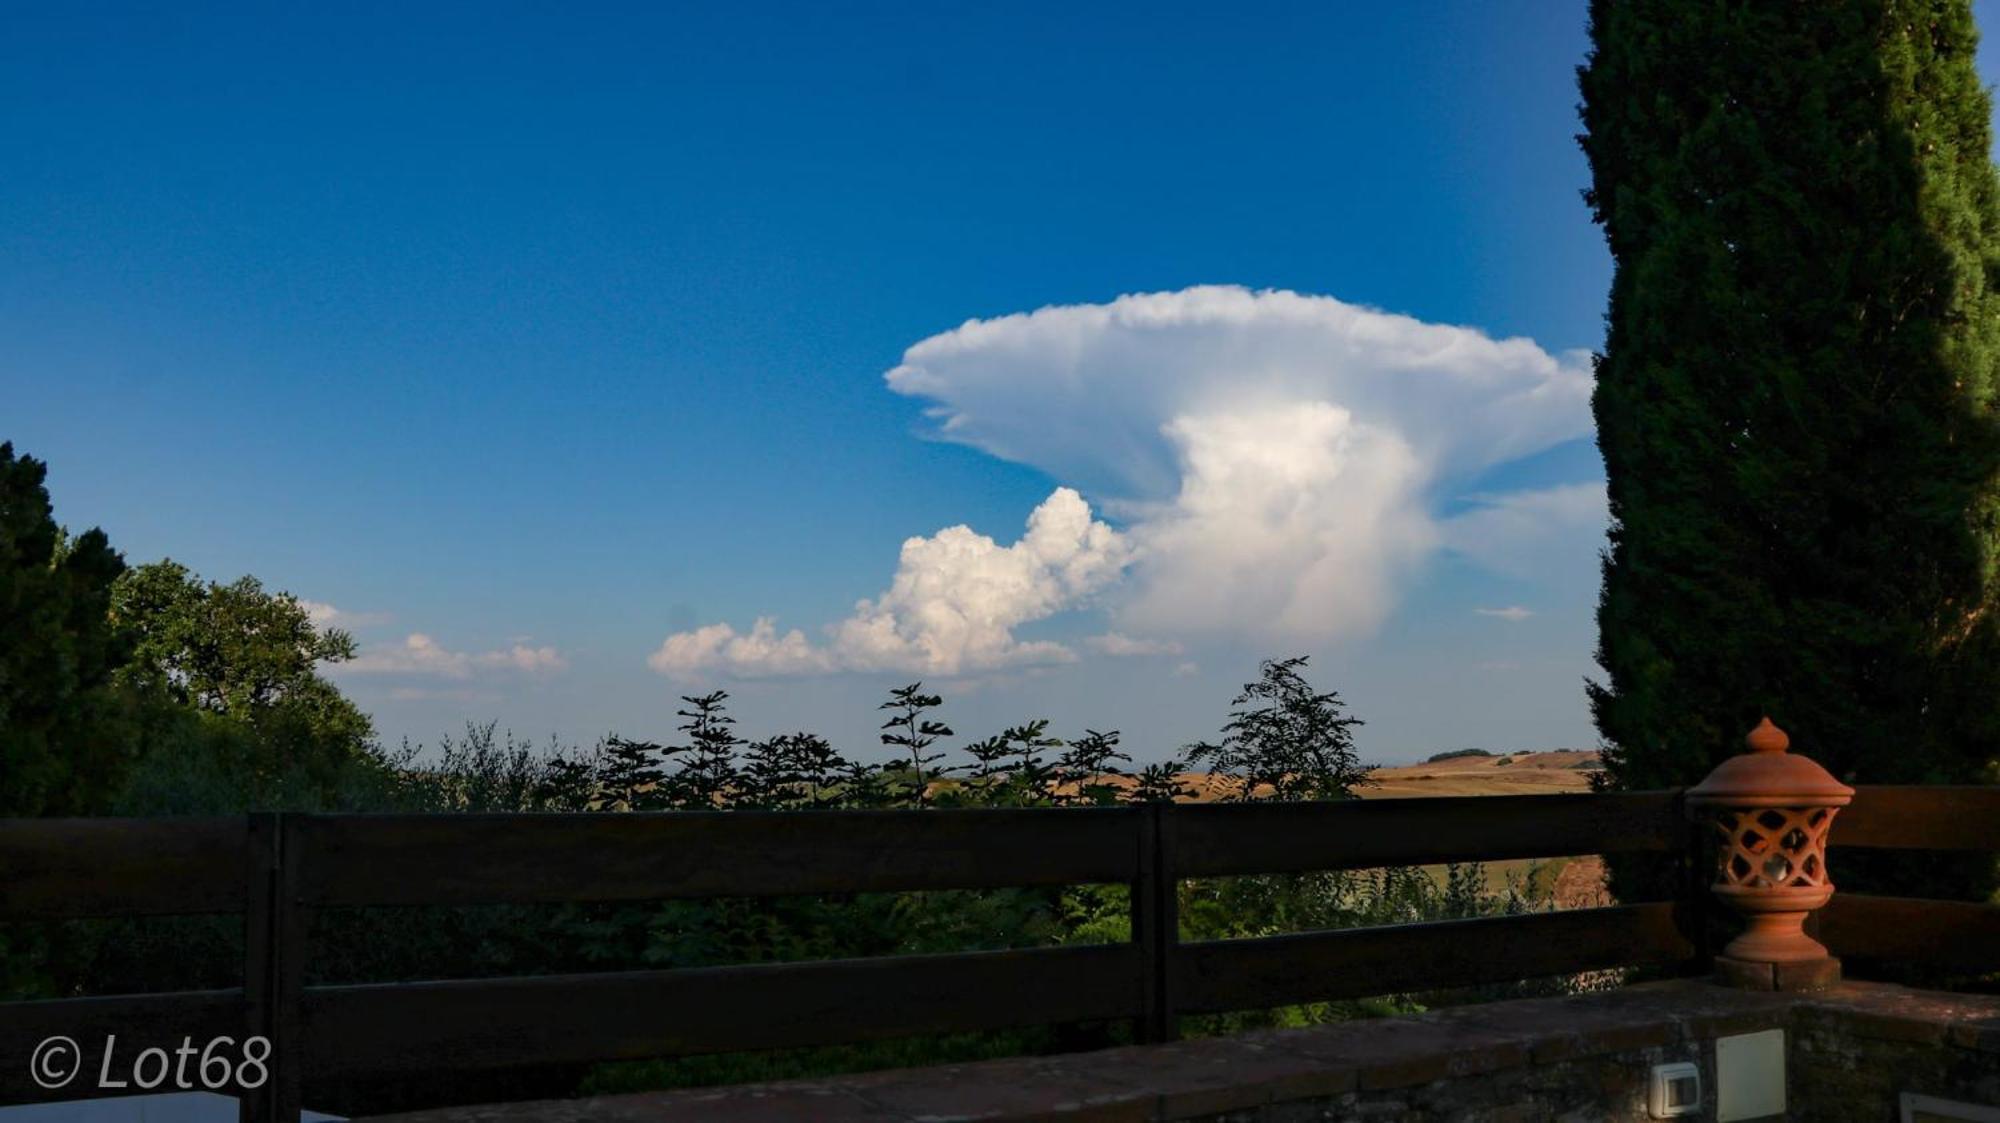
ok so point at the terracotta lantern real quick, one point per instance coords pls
(1772, 811)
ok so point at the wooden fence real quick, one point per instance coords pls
(276, 870)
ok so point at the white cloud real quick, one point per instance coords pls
(324, 615)
(1277, 456)
(522, 657)
(420, 655)
(951, 608)
(1278, 462)
(1513, 613)
(719, 647)
(1118, 643)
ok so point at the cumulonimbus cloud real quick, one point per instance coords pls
(1278, 461)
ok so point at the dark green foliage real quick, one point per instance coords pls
(1285, 740)
(1161, 782)
(1456, 754)
(791, 770)
(708, 776)
(912, 732)
(1085, 766)
(228, 679)
(64, 740)
(1796, 396)
(632, 776)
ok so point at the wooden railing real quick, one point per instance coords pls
(276, 870)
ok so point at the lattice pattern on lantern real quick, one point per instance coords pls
(1774, 847)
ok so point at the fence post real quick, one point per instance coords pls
(1694, 873)
(273, 935)
(1155, 923)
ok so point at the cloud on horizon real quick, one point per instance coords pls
(952, 606)
(419, 655)
(1277, 461)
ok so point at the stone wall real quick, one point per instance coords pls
(1850, 1052)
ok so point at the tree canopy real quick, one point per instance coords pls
(1795, 400)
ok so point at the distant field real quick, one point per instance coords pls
(1566, 770)
(1573, 882)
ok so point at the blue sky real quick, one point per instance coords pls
(546, 335)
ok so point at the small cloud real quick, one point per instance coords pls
(421, 655)
(1187, 669)
(521, 657)
(426, 694)
(1117, 643)
(1513, 613)
(324, 615)
(761, 650)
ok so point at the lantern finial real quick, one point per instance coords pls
(1767, 738)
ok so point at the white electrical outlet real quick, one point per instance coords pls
(1676, 1090)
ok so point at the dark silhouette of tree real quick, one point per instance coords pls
(1285, 740)
(1028, 771)
(633, 776)
(791, 770)
(1085, 763)
(988, 773)
(708, 774)
(1161, 782)
(908, 729)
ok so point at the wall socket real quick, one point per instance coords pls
(1676, 1090)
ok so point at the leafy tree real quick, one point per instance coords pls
(790, 770)
(817, 764)
(865, 785)
(632, 777)
(1160, 782)
(1796, 396)
(708, 774)
(1028, 771)
(1085, 762)
(1285, 740)
(908, 729)
(228, 649)
(63, 739)
(245, 662)
(988, 773)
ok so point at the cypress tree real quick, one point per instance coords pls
(1796, 396)
(64, 742)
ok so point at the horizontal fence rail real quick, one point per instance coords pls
(486, 1023)
(277, 870)
(56, 868)
(1219, 839)
(1920, 818)
(485, 859)
(1954, 935)
(1221, 975)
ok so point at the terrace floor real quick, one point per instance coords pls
(1847, 1053)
